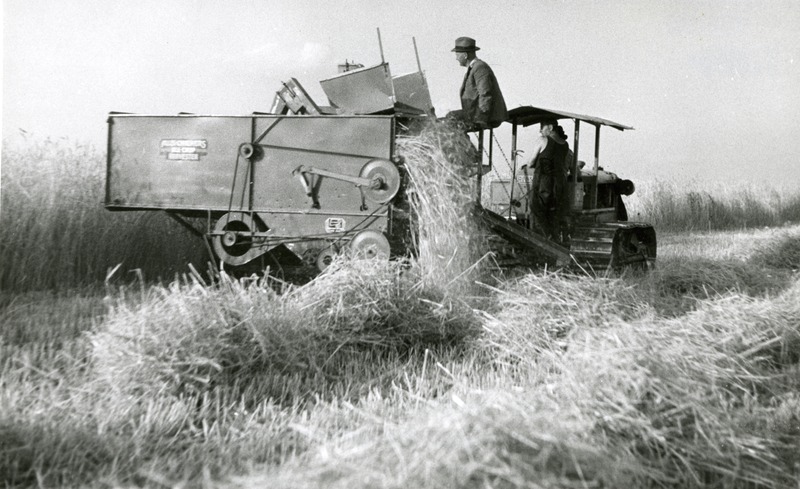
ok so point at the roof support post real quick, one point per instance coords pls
(491, 147)
(576, 140)
(596, 163)
(513, 167)
(479, 164)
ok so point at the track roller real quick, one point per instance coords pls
(615, 245)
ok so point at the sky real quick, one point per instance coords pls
(712, 88)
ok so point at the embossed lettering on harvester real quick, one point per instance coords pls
(184, 149)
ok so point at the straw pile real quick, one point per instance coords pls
(190, 338)
(622, 400)
(782, 253)
(439, 162)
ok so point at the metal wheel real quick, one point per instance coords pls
(231, 241)
(325, 257)
(371, 244)
(386, 180)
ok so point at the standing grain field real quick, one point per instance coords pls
(712, 206)
(56, 233)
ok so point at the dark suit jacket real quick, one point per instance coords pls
(481, 100)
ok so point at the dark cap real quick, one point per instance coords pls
(465, 45)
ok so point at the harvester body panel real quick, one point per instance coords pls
(174, 162)
(301, 181)
(193, 162)
(336, 144)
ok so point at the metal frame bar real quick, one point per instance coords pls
(380, 45)
(109, 155)
(183, 222)
(266, 131)
(224, 210)
(320, 151)
(251, 167)
(416, 53)
(479, 181)
(513, 166)
(596, 164)
(576, 139)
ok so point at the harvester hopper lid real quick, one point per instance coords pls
(528, 115)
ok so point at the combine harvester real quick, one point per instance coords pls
(302, 182)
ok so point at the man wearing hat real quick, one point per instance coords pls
(482, 102)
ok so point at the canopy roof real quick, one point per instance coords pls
(528, 115)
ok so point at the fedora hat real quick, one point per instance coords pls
(465, 45)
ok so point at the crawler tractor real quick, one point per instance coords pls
(301, 182)
(600, 236)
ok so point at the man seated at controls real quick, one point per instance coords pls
(482, 102)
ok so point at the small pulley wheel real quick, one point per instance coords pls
(246, 150)
(370, 243)
(385, 179)
(325, 257)
(229, 238)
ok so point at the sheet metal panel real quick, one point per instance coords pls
(529, 115)
(339, 144)
(366, 91)
(190, 162)
(411, 90)
(174, 162)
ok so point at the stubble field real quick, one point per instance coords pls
(441, 372)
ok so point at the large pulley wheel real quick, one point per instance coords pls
(370, 244)
(232, 240)
(385, 180)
